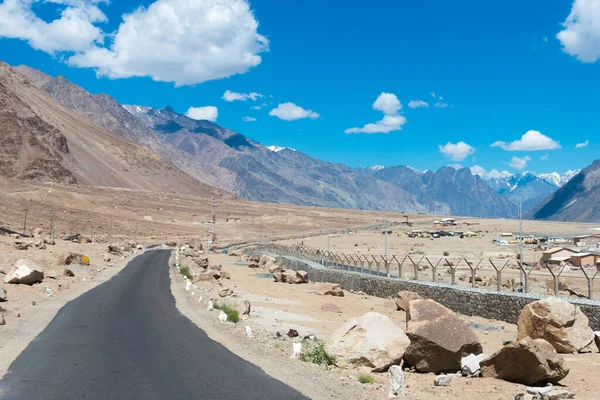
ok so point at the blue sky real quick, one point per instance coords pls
(498, 66)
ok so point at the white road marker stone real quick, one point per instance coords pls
(222, 316)
(296, 350)
(248, 331)
(210, 305)
(187, 285)
(396, 375)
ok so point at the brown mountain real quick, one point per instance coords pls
(42, 140)
(578, 200)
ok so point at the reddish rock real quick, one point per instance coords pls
(528, 361)
(404, 297)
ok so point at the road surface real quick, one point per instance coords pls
(125, 339)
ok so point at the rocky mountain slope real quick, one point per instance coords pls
(44, 141)
(231, 161)
(578, 200)
(526, 187)
(451, 191)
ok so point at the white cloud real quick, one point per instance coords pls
(582, 145)
(73, 31)
(457, 151)
(249, 119)
(291, 112)
(432, 94)
(581, 34)
(233, 96)
(519, 163)
(493, 174)
(418, 104)
(389, 123)
(530, 141)
(180, 41)
(478, 170)
(389, 104)
(545, 157)
(209, 113)
(440, 104)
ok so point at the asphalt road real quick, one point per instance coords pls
(125, 339)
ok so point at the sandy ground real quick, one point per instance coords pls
(29, 309)
(278, 307)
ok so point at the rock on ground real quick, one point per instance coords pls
(439, 339)
(372, 340)
(265, 259)
(469, 365)
(331, 290)
(2, 321)
(528, 361)
(404, 297)
(291, 276)
(225, 292)
(330, 307)
(3, 296)
(559, 322)
(442, 380)
(25, 272)
(396, 375)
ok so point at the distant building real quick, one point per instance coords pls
(557, 252)
(558, 260)
(583, 259)
(557, 240)
(587, 240)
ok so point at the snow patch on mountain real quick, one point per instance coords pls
(556, 179)
(277, 149)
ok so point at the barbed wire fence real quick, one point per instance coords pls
(421, 267)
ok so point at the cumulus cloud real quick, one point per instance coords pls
(478, 170)
(418, 104)
(519, 163)
(249, 119)
(580, 36)
(457, 151)
(530, 141)
(441, 104)
(389, 104)
(73, 31)
(180, 41)
(493, 174)
(234, 96)
(582, 145)
(209, 113)
(545, 157)
(291, 112)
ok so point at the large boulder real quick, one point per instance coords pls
(372, 340)
(528, 361)
(559, 322)
(439, 339)
(291, 276)
(404, 297)
(25, 272)
(330, 289)
(254, 262)
(265, 259)
(202, 262)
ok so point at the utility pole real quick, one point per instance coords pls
(328, 236)
(385, 226)
(214, 221)
(52, 224)
(25, 222)
(521, 239)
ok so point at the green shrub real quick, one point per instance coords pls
(366, 379)
(232, 315)
(278, 346)
(315, 354)
(185, 271)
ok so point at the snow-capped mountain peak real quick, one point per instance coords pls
(377, 167)
(556, 179)
(277, 149)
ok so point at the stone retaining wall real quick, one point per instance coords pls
(501, 306)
